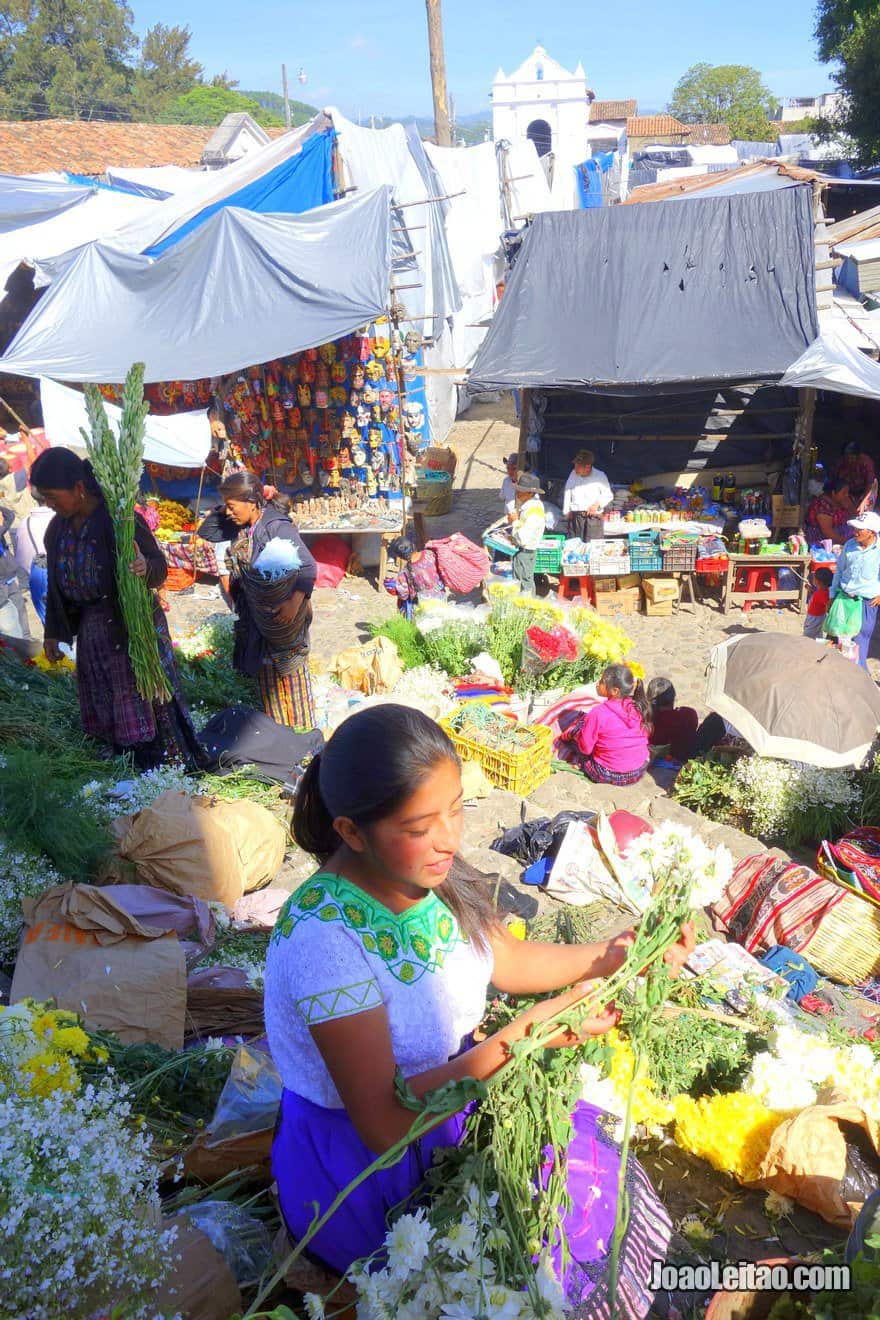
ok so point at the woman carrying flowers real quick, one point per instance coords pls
(379, 966)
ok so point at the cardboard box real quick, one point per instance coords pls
(618, 602)
(603, 585)
(785, 515)
(657, 589)
(628, 580)
(659, 608)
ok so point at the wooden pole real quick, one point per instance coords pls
(806, 415)
(525, 414)
(23, 426)
(438, 73)
(286, 98)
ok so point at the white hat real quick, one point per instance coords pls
(866, 522)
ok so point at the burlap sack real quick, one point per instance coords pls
(806, 1159)
(213, 848)
(85, 952)
(371, 668)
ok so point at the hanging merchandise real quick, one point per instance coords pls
(324, 426)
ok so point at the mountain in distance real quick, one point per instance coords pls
(469, 129)
(300, 111)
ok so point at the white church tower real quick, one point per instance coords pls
(544, 102)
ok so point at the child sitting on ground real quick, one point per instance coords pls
(610, 742)
(820, 598)
(672, 728)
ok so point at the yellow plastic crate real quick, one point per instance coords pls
(519, 772)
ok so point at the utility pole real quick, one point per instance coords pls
(438, 73)
(286, 98)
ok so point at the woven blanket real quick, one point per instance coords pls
(770, 901)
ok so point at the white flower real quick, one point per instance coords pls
(777, 1206)
(408, 1243)
(500, 1303)
(549, 1287)
(674, 850)
(461, 1240)
(314, 1306)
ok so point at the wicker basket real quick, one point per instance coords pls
(519, 772)
(846, 946)
(178, 579)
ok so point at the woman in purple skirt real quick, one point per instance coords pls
(82, 602)
(382, 961)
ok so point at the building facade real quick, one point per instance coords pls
(545, 103)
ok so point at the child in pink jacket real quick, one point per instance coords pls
(611, 741)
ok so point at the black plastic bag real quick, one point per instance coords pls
(533, 839)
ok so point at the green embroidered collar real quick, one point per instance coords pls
(410, 943)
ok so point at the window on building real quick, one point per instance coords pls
(539, 73)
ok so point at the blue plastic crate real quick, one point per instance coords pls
(644, 552)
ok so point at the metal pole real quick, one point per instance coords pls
(438, 73)
(286, 99)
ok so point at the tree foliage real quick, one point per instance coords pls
(848, 34)
(300, 111)
(165, 70)
(209, 105)
(733, 94)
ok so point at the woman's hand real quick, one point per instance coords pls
(51, 650)
(677, 956)
(549, 1009)
(875, 602)
(138, 565)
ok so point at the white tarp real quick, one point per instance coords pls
(182, 440)
(27, 200)
(159, 181)
(242, 288)
(830, 364)
(99, 215)
(152, 226)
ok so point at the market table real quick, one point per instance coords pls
(761, 562)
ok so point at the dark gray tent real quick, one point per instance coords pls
(645, 299)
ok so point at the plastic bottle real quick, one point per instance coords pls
(716, 487)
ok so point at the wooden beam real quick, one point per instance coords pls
(525, 414)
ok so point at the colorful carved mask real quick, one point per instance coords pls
(338, 373)
(381, 349)
(357, 377)
(304, 395)
(412, 341)
(370, 395)
(374, 371)
(386, 398)
(327, 353)
(338, 396)
(322, 399)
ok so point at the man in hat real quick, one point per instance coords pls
(508, 486)
(857, 575)
(587, 493)
(527, 530)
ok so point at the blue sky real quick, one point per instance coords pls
(370, 56)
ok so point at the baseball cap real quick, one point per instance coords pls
(866, 522)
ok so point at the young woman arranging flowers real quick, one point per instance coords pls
(378, 971)
(282, 674)
(83, 602)
(610, 742)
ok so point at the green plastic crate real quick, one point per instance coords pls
(548, 557)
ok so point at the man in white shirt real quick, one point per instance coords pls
(508, 487)
(587, 493)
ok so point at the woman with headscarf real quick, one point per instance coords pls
(282, 677)
(82, 603)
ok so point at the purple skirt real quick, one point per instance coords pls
(317, 1152)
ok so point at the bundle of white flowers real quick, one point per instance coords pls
(799, 1066)
(674, 850)
(215, 635)
(446, 1273)
(131, 795)
(772, 792)
(22, 875)
(80, 1222)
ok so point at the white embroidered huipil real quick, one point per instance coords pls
(336, 951)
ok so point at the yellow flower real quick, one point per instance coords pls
(637, 668)
(46, 1073)
(731, 1132)
(71, 1040)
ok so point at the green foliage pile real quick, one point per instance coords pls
(42, 811)
(406, 637)
(707, 787)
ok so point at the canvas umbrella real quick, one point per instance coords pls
(793, 699)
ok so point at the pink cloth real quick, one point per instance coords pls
(614, 735)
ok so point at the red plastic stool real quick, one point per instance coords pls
(757, 579)
(585, 588)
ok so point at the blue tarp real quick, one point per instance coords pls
(589, 179)
(298, 184)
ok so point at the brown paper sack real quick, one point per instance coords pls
(213, 848)
(251, 1150)
(806, 1159)
(200, 1286)
(371, 668)
(84, 951)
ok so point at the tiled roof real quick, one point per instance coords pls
(708, 135)
(654, 126)
(602, 111)
(88, 147)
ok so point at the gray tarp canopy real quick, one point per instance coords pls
(25, 201)
(242, 288)
(632, 299)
